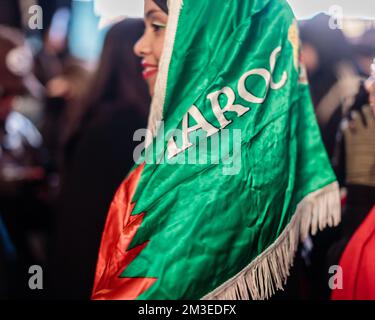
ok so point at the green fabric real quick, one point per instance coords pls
(205, 226)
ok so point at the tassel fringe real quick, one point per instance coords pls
(269, 272)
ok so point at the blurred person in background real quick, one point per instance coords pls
(66, 79)
(334, 82)
(355, 247)
(364, 51)
(337, 85)
(54, 50)
(98, 154)
(24, 215)
(354, 251)
(64, 95)
(332, 74)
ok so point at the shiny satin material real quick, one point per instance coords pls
(121, 227)
(197, 226)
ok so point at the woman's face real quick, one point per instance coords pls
(150, 46)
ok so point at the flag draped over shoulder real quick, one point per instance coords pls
(228, 227)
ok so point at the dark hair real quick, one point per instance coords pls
(330, 44)
(365, 45)
(332, 48)
(117, 82)
(118, 79)
(162, 4)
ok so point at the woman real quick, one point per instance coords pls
(354, 249)
(224, 227)
(98, 153)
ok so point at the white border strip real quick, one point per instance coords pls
(157, 105)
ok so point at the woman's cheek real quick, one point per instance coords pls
(159, 46)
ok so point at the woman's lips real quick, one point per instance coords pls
(148, 72)
(148, 69)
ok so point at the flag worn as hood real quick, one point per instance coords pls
(230, 80)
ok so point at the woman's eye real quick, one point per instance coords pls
(157, 27)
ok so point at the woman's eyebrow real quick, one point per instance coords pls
(151, 12)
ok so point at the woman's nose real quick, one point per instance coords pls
(140, 48)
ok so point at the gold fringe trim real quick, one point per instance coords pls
(269, 271)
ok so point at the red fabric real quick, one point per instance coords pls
(114, 254)
(358, 264)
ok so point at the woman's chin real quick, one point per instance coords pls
(151, 85)
(152, 91)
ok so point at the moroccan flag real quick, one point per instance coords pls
(234, 172)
